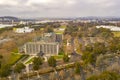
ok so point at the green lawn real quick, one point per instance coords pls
(63, 26)
(59, 32)
(41, 29)
(116, 34)
(58, 57)
(28, 62)
(14, 58)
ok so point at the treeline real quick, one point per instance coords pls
(86, 31)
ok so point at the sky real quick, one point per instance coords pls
(59, 8)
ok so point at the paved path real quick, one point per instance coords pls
(30, 57)
(48, 70)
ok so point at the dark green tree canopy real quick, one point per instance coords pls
(37, 62)
(19, 67)
(66, 58)
(5, 71)
(52, 61)
(106, 75)
(77, 68)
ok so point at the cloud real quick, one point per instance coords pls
(59, 8)
(8, 2)
(39, 1)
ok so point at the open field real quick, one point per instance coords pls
(63, 26)
(59, 32)
(58, 57)
(116, 34)
(14, 58)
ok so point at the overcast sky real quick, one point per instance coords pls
(59, 8)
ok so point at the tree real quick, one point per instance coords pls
(19, 67)
(77, 68)
(89, 58)
(66, 58)
(37, 62)
(89, 48)
(52, 61)
(106, 33)
(71, 30)
(93, 78)
(1, 56)
(113, 47)
(61, 52)
(0, 60)
(106, 75)
(5, 71)
(48, 29)
(99, 48)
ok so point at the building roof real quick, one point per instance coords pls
(43, 42)
(112, 28)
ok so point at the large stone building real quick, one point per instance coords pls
(33, 48)
(48, 44)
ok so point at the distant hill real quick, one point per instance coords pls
(16, 19)
(9, 18)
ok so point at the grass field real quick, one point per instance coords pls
(28, 62)
(58, 57)
(14, 58)
(59, 32)
(116, 34)
(63, 26)
(41, 29)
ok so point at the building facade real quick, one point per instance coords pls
(59, 38)
(33, 48)
(112, 28)
(23, 30)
